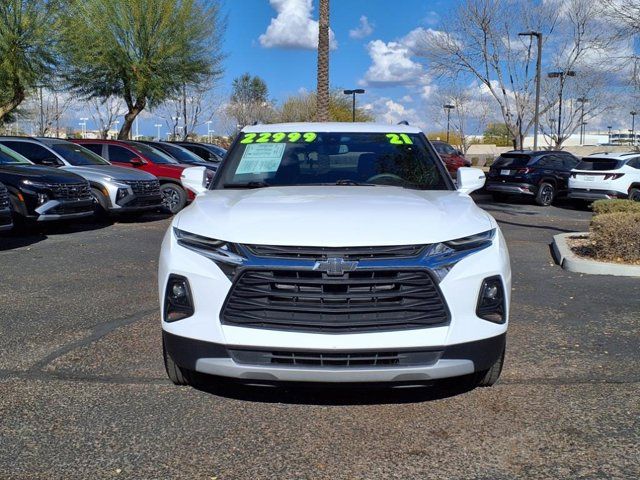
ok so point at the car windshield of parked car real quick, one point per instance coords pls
(321, 158)
(221, 152)
(9, 157)
(517, 161)
(180, 154)
(155, 155)
(77, 155)
(444, 148)
(595, 163)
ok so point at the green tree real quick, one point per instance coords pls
(323, 62)
(143, 51)
(497, 134)
(27, 43)
(303, 108)
(249, 101)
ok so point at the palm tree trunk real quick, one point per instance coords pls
(323, 63)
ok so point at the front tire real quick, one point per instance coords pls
(101, 204)
(634, 194)
(174, 197)
(176, 374)
(546, 194)
(488, 378)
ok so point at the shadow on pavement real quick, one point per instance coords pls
(324, 394)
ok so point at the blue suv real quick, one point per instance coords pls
(542, 175)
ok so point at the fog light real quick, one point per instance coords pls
(491, 301)
(178, 301)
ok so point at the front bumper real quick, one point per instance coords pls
(64, 209)
(592, 194)
(510, 188)
(450, 361)
(6, 221)
(138, 203)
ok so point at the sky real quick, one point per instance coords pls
(373, 46)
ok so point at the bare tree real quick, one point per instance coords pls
(194, 107)
(471, 111)
(624, 16)
(480, 41)
(46, 108)
(105, 113)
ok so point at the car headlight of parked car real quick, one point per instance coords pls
(224, 254)
(445, 255)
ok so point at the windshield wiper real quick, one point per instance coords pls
(246, 185)
(346, 181)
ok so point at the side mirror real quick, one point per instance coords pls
(195, 179)
(137, 162)
(470, 179)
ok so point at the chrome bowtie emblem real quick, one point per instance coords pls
(335, 266)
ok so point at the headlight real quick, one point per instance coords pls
(33, 183)
(222, 253)
(445, 255)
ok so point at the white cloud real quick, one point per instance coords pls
(364, 29)
(386, 110)
(293, 26)
(432, 18)
(391, 64)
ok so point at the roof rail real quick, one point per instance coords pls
(403, 122)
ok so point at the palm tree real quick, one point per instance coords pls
(323, 62)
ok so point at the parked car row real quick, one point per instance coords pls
(547, 175)
(43, 179)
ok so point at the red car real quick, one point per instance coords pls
(452, 158)
(149, 159)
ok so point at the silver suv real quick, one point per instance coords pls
(114, 189)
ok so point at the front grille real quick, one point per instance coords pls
(350, 253)
(334, 359)
(4, 198)
(144, 187)
(71, 191)
(310, 300)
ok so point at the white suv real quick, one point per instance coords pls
(606, 175)
(334, 252)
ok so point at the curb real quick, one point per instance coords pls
(572, 263)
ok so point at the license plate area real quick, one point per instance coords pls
(505, 172)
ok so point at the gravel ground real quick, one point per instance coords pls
(83, 393)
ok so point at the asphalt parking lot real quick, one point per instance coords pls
(83, 393)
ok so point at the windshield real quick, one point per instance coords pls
(77, 155)
(153, 154)
(512, 161)
(599, 164)
(221, 152)
(9, 157)
(310, 158)
(444, 148)
(182, 155)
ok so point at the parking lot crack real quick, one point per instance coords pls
(97, 332)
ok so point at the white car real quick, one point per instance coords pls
(334, 252)
(606, 175)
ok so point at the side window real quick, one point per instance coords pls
(553, 162)
(94, 147)
(36, 153)
(544, 162)
(120, 154)
(634, 163)
(201, 152)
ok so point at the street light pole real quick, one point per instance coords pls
(633, 127)
(41, 113)
(84, 126)
(209, 131)
(158, 125)
(536, 120)
(582, 101)
(353, 100)
(561, 76)
(448, 107)
(609, 127)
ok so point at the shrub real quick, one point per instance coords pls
(613, 206)
(616, 236)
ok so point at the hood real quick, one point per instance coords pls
(12, 174)
(334, 216)
(100, 172)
